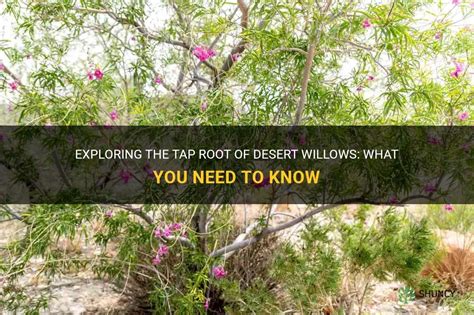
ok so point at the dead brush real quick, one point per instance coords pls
(254, 262)
(455, 269)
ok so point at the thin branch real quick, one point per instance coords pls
(137, 212)
(61, 170)
(390, 12)
(11, 74)
(304, 82)
(291, 49)
(140, 28)
(11, 212)
(182, 240)
(270, 230)
(313, 40)
(240, 47)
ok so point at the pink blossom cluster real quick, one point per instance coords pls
(466, 147)
(366, 23)
(219, 272)
(163, 250)
(459, 68)
(368, 79)
(302, 139)
(148, 169)
(393, 200)
(114, 115)
(434, 140)
(449, 207)
(235, 57)
(125, 175)
(14, 85)
(430, 188)
(206, 303)
(158, 80)
(96, 74)
(264, 183)
(168, 230)
(203, 53)
(463, 116)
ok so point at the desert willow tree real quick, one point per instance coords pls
(213, 63)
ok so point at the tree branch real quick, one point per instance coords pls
(11, 212)
(267, 231)
(140, 28)
(304, 82)
(313, 40)
(291, 49)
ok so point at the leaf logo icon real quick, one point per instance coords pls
(406, 295)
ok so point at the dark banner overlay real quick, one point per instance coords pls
(206, 165)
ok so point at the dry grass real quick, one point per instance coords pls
(455, 269)
(254, 262)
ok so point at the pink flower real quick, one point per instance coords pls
(109, 214)
(175, 226)
(265, 182)
(463, 116)
(98, 74)
(434, 140)
(166, 232)
(371, 78)
(430, 188)
(366, 23)
(90, 75)
(393, 200)
(114, 115)
(234, 57)
(219, 272)
(359, 88)
(449, 207)
(156, 260)
(125, 175)
(147, 168)
(456, 2)
(437, 36)
(158, 233)
(13, 85)
(466, 147)
(204, 106)
(162, 250)
(203, 53)
(206, 303)
(2, 66)
(302, 139)
(458, 70)
(158, 80)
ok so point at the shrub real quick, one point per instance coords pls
(460, 219)
(390, 248)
